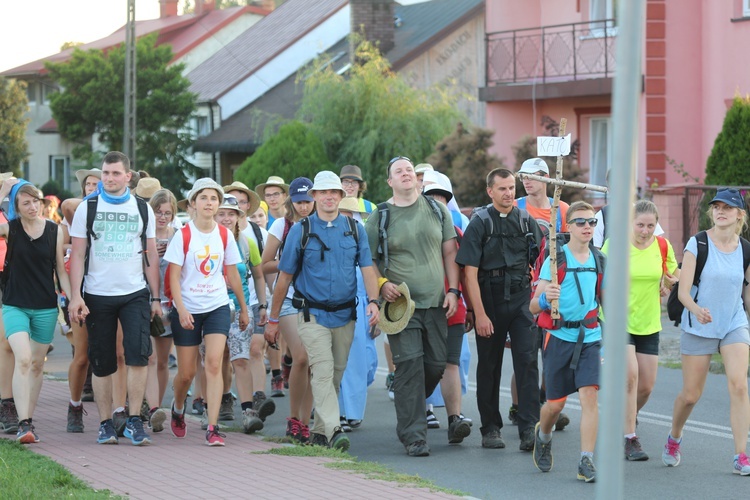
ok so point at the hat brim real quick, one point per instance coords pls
(727, 202)
(261, 188)
(391, 326)
(82, 174)
(252, 197)
(352, 177)
(442, 192)
(534, 171)
(183, 205)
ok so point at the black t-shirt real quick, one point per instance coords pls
(31, 282)
(507, 248)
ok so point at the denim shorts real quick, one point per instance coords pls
(287, 309)
(216, 321)
(38, 323)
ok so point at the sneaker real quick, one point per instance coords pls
(493, 439)
(204, 422)
(391, 394)
(107, 433)
(389, 380)
(156, 419)
(527, 440)
(562, 422)
(418, 449)
(354, 424)
(120, 420)
(432, 421)
(513, 414)
(226, 410)
(267, 365)
(633, 450)
(251, 422)
(75, 418)
(26, 435)
(671, 454)
(177, 424)
(319, 440)
(741, 465)
(344, 424)
(87, 396)
(304, 434)
(264, 406)
(214, 437)
(8, 417)
(458, 430)
(198, 406)
(286, 370)
(145, 411)
(136, 433)
(466, 419)
(172, 363)
(339, 441)
(277, 386)
(293, 428)
(542, 452)
(586, 470)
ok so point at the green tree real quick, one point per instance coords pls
(372, 115)
(13, 121)
(294, 151)
(92, 102)
(463, 156)
(729, 161)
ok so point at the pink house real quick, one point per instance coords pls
(557, 58)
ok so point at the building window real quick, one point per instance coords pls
(47, 89)
(31, 92)
(59, 171)
(745, 8)
(600, 149)
(600, 10)
(200, 126)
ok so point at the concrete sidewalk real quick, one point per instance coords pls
(187, 468)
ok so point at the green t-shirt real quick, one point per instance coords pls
(415, 249)
(644, 302)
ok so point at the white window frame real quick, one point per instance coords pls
(745, 8)
(64, 183)
(599, 161)
(201, 126)
(600, 10)
(47, 89)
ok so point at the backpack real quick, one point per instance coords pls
(674, 306)
(489, 229)
(384, 219)
(258, 235)
(223, 233)
(544, 225)
(306, 235)
(591, 320)
(604, 210)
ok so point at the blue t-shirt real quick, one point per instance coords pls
(327, 276)
(571, 308)
(720, 292)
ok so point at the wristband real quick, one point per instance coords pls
(381, 282)
(543, 302)
(155, 299)
(374, 301)
(273, 320)
(455, 291)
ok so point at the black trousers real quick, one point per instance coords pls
(508, 317)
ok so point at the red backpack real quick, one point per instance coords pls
(223, 232)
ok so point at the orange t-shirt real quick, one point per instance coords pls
(543, 215)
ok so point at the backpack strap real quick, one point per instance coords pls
(258, 235)
(91, 205)
(521, 203)
(384, 218)
(435, 208)
(702, 243)
(143, 211)
(664, 249)
(745, 256)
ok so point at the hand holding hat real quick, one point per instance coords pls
(395, 315)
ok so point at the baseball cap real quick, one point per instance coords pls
(730, 196)
(298, 189)
(534, 165)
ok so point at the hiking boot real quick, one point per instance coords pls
(198, 406)
(513, 414)
(562, 422)
(251, 422)
(633, 450)
(156, 419)
(466, 419)
(293, 428)
(432, 421)
(26, 435)
(177, 424)
(741, 465)
(344, 424)
(204, 422)
(136, 433)
(542, 452)
(87, 395)
(145, 411)
(226, 410)
(75, 418)
(319, 440)
(214, 437)
(264, 406)
(458, 430)
(120, 420)
(586, 470)
(107, 433)
(8, 417)
(527, 440)
(671, 454)
(339, 441)
(418, 449)
(304, 434)
(493, 439)
(277, 386)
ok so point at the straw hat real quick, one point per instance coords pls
(394, 316)
(83, 173)
(183, 205)
(273, 180)
(252, 197)
(422, 168)
(146, 187)
(350, 204)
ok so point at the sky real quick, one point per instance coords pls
(33, 29)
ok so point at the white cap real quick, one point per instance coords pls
(533, 166)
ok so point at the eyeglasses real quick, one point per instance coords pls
(232, 202)
(580, 221)
(349, 182)
(159, 215)
(274, 195)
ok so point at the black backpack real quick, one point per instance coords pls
(674, 306)
(524, 221)
(306, 235)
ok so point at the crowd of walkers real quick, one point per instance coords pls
(289, 285)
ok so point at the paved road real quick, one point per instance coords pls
(704, 473)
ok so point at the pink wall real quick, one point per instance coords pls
(516, 14)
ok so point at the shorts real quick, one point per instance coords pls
(560, 380)
(287, 309)
(693, 345)
(646, 344)
(256, 329)
(216, 321)
(133, 311)
(38, 323)
(455, 343)
(239, 340)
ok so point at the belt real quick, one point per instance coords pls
(299, 301)
(493, 273)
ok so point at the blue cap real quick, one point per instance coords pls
(299, 188)
(731, 197)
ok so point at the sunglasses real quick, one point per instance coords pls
(232, 202)
(580, 221)
(394, 160)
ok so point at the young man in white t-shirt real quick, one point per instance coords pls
(117, 286)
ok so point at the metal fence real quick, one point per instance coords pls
(694, 207)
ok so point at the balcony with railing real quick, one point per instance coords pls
(564, 59)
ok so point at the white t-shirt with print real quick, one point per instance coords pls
(202, 278)
(252, 298)
(277, 230)
(115, 261)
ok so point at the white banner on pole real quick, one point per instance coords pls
(553, 146)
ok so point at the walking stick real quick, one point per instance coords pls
(555, 303)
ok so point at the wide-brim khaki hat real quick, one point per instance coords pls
(83, 173)
(273, 180)
(394, 316)
(252, 197)
(350, 204)
(183, 205)
(147, 187)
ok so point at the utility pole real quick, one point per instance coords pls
(128, 146)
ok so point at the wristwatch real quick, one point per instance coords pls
(155, 299)
(374, 301)
(456, 291)
(262, 306)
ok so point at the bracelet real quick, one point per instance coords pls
(543, 304)
(273, 320)
(374, 301)
(455, 291)
(155, 299)
(262, 306)
(381, 282)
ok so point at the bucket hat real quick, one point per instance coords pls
(327, 180)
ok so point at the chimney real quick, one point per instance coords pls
(167, 8)
(376, 17)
